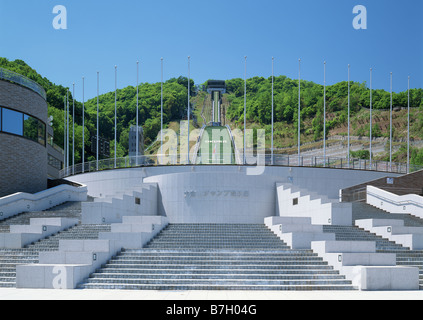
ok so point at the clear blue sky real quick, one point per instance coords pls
(217, 35)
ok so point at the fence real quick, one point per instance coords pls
(23, 81)
(278, 160)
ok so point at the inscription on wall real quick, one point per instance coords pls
(217, 194)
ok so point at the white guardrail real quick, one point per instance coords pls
(278, 160)
(392, 203)
(25, 202)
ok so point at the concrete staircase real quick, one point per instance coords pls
(10, 258)
(405, 256)
(362, 210)
(217, 257)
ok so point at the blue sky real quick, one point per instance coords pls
(102, 34)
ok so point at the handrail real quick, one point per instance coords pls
(371, 191)
(17, 78)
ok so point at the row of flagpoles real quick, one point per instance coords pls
(67, 112)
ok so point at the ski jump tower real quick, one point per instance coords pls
(216, 88)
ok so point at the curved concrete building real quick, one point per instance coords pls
(23, 151)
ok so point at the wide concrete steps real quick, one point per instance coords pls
(65, 210)
(217, 257)
(79, 232)
(9, 259)
(405, 256)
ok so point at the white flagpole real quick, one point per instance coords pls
(98, 132)
(408, 129)
(349, 107)
(73, 130)
(324, 113)
(161, 112)
(390, 132)
(299, 112)
(83, 124)
(137, 142)
(67, 131)
(64, 133)
(189, 92)
(371, 120)
(115, 113)
(273, 76)
(245, 110)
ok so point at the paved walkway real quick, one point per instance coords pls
(34, 294)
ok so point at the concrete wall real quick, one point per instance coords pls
(295, 202)
(220, 193)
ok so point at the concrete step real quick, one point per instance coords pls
(210, 257)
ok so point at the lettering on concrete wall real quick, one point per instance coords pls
(217, 194)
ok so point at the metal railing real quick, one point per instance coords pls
(14, 77)
(278, 160)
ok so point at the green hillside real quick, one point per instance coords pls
(258, 110)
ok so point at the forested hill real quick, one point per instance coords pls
(175, 104)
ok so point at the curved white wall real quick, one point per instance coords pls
(206, 193)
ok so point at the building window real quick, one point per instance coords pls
(30, 128)
(55, 163)
(21, 124)
(12, 122)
